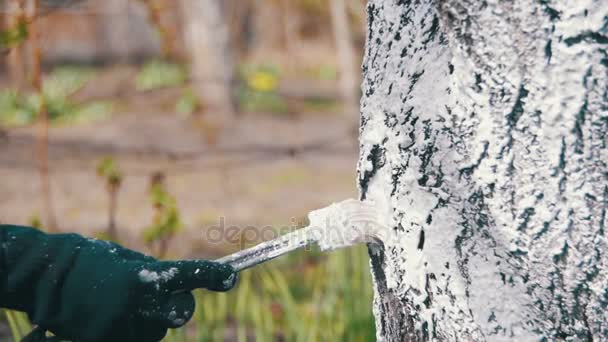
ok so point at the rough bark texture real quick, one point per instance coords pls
(484, 136)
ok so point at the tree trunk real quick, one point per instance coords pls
(212, 65)
(484, 136)
(166, 32)
(115, 30)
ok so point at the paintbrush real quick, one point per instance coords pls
(336, 226)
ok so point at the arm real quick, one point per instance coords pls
(91, 290)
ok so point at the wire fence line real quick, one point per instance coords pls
(210, 159)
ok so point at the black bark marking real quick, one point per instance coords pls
(470, 169)
(518, 107)
(396, 176)
(526, 216)
(390, 119)
(425, 156)
(588, 37)
(376, 156)
(578, 127)
(553, 13)
(432, 31)
(604, 215)
(414, 79)
(548, 52)
(478, 82)
(562, 159)
(421, 240)
(513, 117)
(562, 255)
(371, 13)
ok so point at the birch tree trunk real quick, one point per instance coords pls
(484, 137)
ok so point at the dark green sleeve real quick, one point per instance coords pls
(33, 265)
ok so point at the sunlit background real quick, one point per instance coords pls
(150, 122)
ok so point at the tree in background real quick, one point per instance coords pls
(14, 33)
(114, 29)
(23, 27)
(212, 64)
(484, 138)
(167, 34)
(349, 89)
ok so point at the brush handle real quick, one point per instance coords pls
(269, 250)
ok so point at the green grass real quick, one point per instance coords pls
(306, 296)
(18, 323)
(160, 74)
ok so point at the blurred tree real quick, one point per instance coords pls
(15, 33)
(291, 23)
(166, 32)
(43, 116)
(212, 64)
(114, 29)
(346, 57)
(265, 37)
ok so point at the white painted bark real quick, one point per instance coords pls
(207, 39)
(484, 136)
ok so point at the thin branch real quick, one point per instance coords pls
(43, 119)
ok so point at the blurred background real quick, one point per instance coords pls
(155, 122)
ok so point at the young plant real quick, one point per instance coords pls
(167, 222)
(109, 171)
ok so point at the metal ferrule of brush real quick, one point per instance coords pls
(269, 250)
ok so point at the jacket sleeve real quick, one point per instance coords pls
(32, 267)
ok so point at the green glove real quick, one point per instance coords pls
(90, 290)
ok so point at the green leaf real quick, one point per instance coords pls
(13, 36)
(159, 74)
(108, 169)
(187, 103)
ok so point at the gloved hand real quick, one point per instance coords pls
(90, 290)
